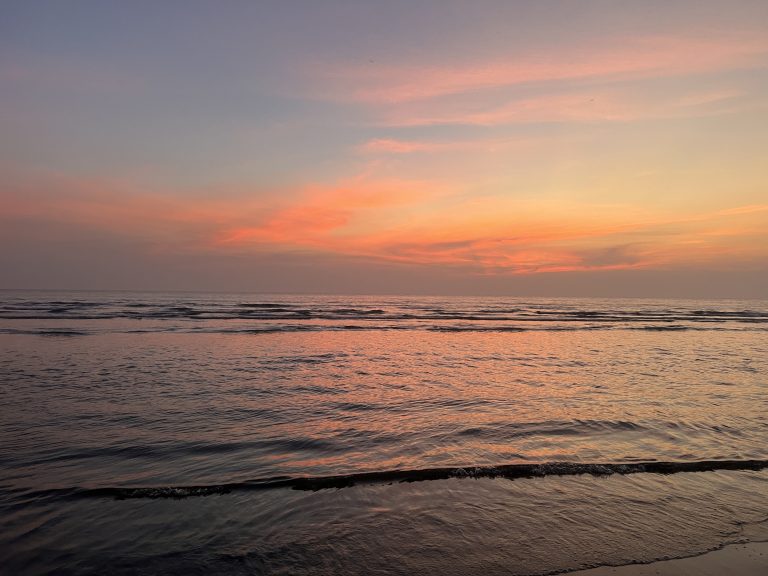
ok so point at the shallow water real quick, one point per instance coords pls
(107, 392)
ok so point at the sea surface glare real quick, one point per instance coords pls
(148, 433)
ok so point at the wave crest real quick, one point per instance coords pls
(506, 471)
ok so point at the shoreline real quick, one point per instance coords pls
(738, 559)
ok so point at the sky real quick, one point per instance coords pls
(553, 148)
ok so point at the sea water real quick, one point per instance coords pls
(278, 434)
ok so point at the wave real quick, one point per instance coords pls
(44, 332)
(287, 328)
(264, 315)
(668, 328)
(306, 314)
(506, 471)
(352, 308)
(477, 329)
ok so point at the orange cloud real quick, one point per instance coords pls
(159, 217)
(319, 212)
(419, 223)
(561, 243)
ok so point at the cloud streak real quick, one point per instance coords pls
(580, 107)
(622, 59)
(415, 223)
(395, 146)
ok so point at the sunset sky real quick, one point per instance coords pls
(522, 148)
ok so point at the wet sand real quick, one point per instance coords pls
(750, 559)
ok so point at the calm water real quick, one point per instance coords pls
(111, 403)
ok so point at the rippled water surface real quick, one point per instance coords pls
(156, 395)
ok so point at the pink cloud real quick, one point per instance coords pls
(622, 59)
(615, 105)
(396, 146)
(583, 107)
(390, 146)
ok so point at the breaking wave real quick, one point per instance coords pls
(506, 471)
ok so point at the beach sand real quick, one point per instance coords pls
(750, 559)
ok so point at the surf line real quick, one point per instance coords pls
(507, 471)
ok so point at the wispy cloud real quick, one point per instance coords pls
(585, 106)
(394, 146)
(398, 146)
(628, 58)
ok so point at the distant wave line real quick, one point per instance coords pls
(375, 315)
(337, 310)
(269, 329)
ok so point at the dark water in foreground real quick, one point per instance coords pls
(160, 433)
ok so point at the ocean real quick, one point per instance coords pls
(181, 433)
